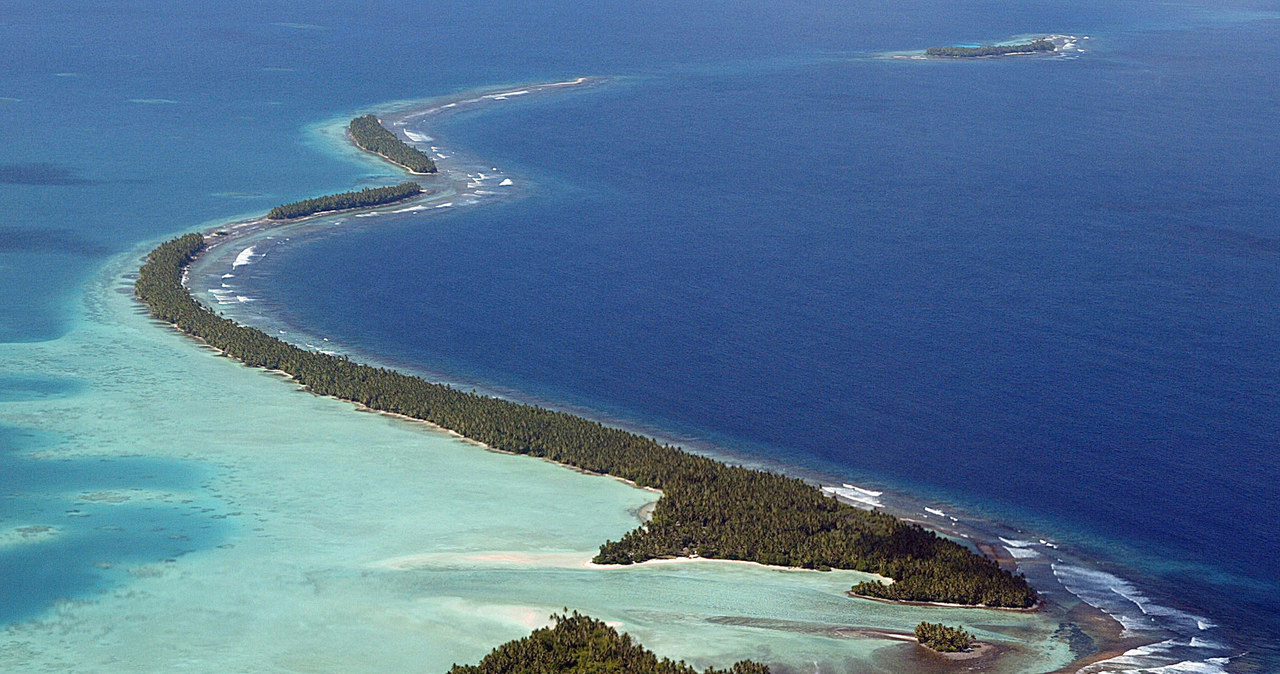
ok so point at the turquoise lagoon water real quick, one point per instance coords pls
(163, 508)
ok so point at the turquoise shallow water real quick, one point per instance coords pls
(127, 490)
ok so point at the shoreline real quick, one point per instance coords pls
(938, 604)
(642, 514)
(247, 228)
(388, 159)
(662, 561)
(1064, 45)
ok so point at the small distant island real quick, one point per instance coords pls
(371, 136)
(369, 196)
(943, 639)
(1034, 47)
(577, 643)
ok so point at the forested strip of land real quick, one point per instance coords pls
(371, 135)
(369, 196)
(708, 508)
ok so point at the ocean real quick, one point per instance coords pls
(1037, 291)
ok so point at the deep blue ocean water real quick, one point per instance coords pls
(1042, 289)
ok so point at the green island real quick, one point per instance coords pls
(372, 136)
(707, 509)
(1036, 46)
(943, 639)
(369, 196)
(577, 644)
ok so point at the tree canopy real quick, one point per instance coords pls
(372, 136)
(991, 49)
(943, 639)
(369, 196)
(577, 644)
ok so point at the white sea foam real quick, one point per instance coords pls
(445, 205)
(411, 209)
(1119, 598)
(1158, 658)
(228, 276)
(365, 215)
(245, 257)
(505, 183)
(856, 494)
(417, 137)
(1017, 544)
(868, 492)
(1141, 658)
(223, 296)
(1108, 593)
(503, 95)
(1021, 553)
(935, 511)
(242, 298)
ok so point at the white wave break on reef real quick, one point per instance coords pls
(245, 257)
(1124, 602)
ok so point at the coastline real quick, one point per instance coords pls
(1064, 46)
(245, 230)
(939, 604)
(387, 159)
(938, 569)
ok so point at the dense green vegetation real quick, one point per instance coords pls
(369, 196)
(707, 508)
(577, 644)
(943, 639)
(990, 50)
(371, 135)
